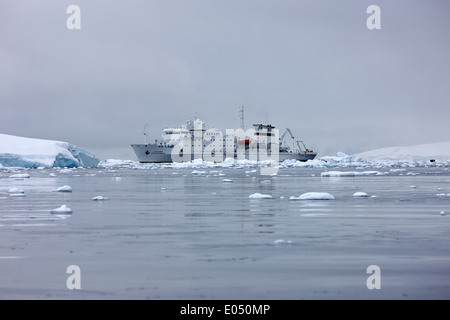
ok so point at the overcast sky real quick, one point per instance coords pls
(310, 65)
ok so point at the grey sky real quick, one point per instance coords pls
(312, 66)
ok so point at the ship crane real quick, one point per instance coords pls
(286, 131)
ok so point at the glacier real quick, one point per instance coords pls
(24, 152)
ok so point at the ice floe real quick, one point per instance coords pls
(349, 173)
(100, 198)
(64, 188)
(15, 190)
(20, 176)
(259, 196)
(282, 242)
(442, 195)
(360, 194)
(313, 196)
(62, 210)
(198, 173)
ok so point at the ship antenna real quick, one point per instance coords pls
(241, 116)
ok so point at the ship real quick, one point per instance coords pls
(191, 141)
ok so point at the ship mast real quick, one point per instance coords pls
(146, 132)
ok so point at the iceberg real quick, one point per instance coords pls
(24, 152)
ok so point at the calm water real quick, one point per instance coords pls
(166, 233)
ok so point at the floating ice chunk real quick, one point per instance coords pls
(62, 210)
(281, 242)
(442, 213)
(227, 180)
(115, 162)
(99, 198)
(197, 173)
(259, 196)
(20, 176)
(65, 171)
(64, 188)
(349, 173)
(360, 194)
(266, 181)
(398, 171)
(15, 190)
(413, 187)
(313, 196)
(314, 215)
(52, 175)
(17, 194)
(442, 195)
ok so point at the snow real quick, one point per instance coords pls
(420, 152)
(313, 196)
(259, 196)
(62, 210)
(18, 151)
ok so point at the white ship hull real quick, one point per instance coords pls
(154, 153)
